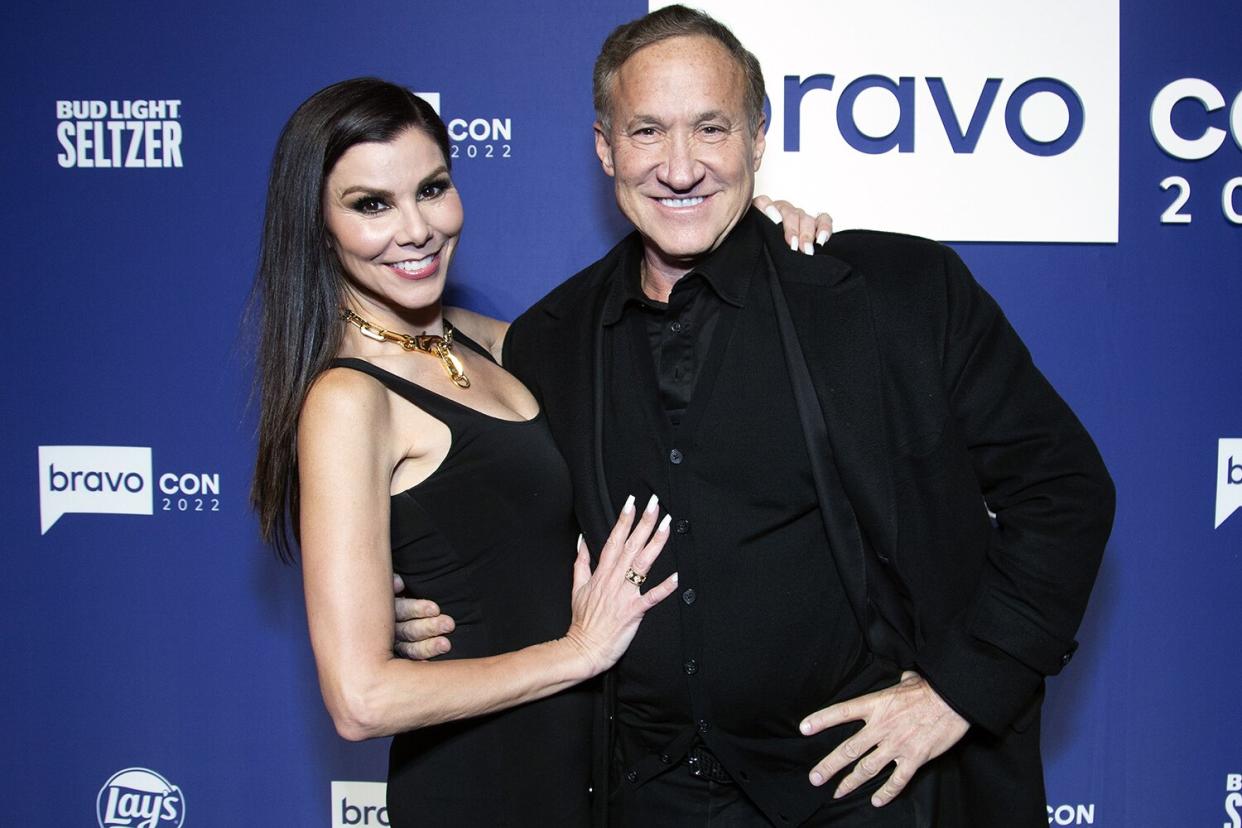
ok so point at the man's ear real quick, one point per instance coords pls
(760, 143)
(603, 149)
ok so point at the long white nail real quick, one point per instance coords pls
(652, 504)
(793, 244)
(771, 212)
(628, 508)
(808, 249)
(579, 539)
(823, 237)
(663, 527)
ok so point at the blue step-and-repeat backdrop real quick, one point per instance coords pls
(1084, 158)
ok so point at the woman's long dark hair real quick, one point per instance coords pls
(298, 289)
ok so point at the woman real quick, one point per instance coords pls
(418, 454)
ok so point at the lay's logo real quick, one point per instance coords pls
(139, 798)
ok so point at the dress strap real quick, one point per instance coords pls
(442, 408)
(458, 336)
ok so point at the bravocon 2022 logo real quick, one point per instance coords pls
(117, 480)
(139, 798)
(966, 121)
(476, 136)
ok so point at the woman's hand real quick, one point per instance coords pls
(801, 229)
(609, 603)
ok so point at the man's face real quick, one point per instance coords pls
(680, 148)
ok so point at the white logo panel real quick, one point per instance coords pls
(1228, 478)
(962, 121)
(93, 480)
(432, 98)
(359, 803)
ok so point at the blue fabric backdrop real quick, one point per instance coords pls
(174, 642)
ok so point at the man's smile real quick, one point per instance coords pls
(676, 203)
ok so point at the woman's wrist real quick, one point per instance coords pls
(580, 664)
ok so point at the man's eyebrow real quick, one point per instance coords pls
(643, 120)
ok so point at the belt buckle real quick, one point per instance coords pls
(704, 765)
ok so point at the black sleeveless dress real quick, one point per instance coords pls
(490, 537)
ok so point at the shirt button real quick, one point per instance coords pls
(689, 595)
(704, 726)
(666, 759)
(675, 456)
(675, 327)
(631, 776)
(681, 527)
(691, 666)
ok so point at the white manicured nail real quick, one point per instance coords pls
(629, 505)
(579, 539)
(793, 244)
(808, 249)
(652, 504)
(822, 237)
(771, 212)
(663, 527)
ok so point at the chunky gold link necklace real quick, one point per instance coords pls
(436, 346)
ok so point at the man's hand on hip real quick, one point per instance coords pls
(421, 629)
(907, 724)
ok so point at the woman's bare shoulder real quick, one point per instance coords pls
(343, 401)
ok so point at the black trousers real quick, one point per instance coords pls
(678, 799)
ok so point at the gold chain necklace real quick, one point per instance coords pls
(436, 346)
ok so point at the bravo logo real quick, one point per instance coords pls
(139, 798)
(901, 136)
(359, 803)
(116, 480)
(927, 117)
(1228, 478)
(93, 479)
(1233, 800)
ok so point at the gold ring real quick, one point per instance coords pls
(635, 578)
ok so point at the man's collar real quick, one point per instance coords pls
(624, 281)
(727, 269)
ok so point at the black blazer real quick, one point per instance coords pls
(922, 406)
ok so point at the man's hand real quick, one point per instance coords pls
(420, 626)
(908, 724)
(802, 230)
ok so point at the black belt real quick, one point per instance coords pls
(704, 764)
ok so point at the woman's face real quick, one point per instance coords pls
(393, 218)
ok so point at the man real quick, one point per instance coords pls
(886, 522)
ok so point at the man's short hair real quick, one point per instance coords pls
(662, 24)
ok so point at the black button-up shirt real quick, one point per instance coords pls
(699, 409)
